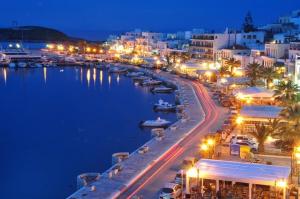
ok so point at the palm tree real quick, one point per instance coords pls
(232, 64)
(261, 134)
(254, 72)
(224, 70)
(274, 125)
(286, 92)
(269, 74)
(292, 114)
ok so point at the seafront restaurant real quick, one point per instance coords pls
(256, 114)
(228, 84)
(230, 179)
(199, 69)
(254, 95)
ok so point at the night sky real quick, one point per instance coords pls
(94, 18)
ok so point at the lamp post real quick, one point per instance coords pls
(211, 144)
(239, 121)
(191, 173)
(282, 184)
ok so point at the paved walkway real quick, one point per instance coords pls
(111, 185)
(214, 120)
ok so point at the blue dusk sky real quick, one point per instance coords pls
(95, 18)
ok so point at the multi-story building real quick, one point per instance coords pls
(293, 63)
(207, 46)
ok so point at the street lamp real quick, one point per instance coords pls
(282, 184)
(191, 173)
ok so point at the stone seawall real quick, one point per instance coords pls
(113, 181)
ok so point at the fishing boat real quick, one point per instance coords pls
(151, 82)
(162, 89)
(155, 123)
(164, 106)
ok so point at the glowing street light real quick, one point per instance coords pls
(60, 47)
(204, 147)
(239, 120)
(210, 142)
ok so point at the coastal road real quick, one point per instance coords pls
(164, 171)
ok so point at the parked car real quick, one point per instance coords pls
(180, 177)
(171, 191)
(245, 140)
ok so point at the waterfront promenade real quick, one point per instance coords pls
(155, 180)
(141, 169)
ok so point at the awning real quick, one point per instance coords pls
(243, 172)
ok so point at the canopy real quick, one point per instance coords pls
(268, 112)
(243, 172)
(254, 92)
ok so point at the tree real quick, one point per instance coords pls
(254, 72)
(261, 134)
(286, 92)
(232, 64)
(292, 114)
(269, 74)
(248, 23)
(224, 70)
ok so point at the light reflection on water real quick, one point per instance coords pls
(88, 76)
(48, 115)
(101, 77)
(5, 75)
(45, 74)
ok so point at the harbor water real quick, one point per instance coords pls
(57, 123)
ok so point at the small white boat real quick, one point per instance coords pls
(151, 82)
(118, 70)
(12, 65)
(156, 123)
(164, 106)
(162, 89)
(22, 64)
(135, 74)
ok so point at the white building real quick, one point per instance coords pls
(207, 46)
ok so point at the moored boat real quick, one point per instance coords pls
(134, 74)
(151, 82)
(155, 123)
(164, 106)
(162, 89)
(140, 78)
(118, 70)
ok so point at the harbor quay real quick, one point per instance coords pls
(119, 177)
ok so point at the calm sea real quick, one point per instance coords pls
(58, 123)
